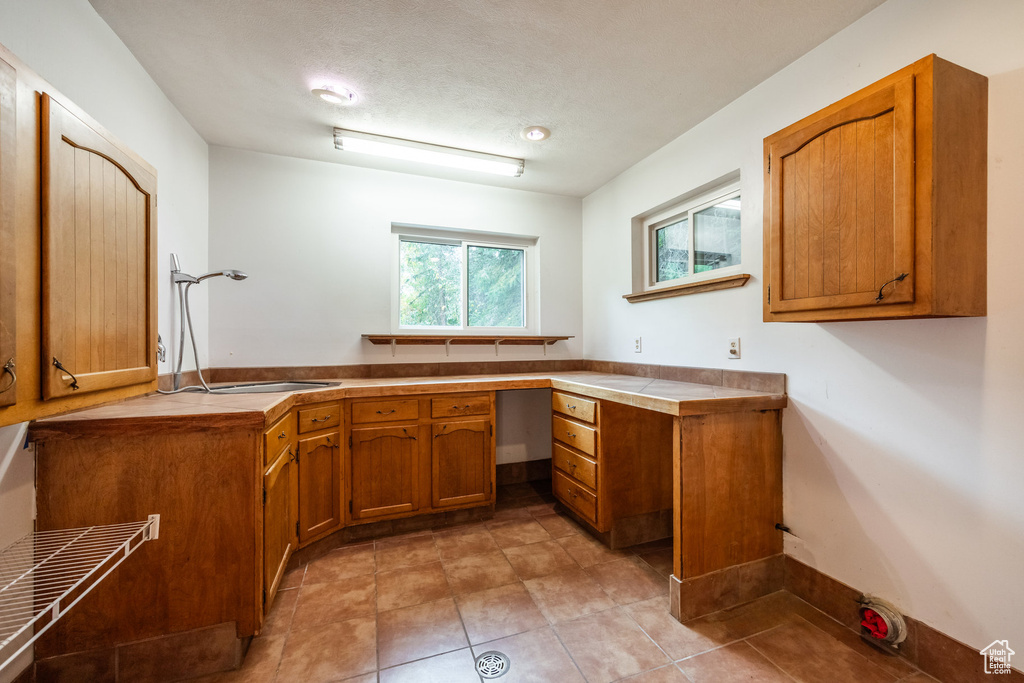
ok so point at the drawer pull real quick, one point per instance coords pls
(381, 412)
(323, 419)
(570, 407)
(571, 435)
(572, 465)
(282, 435)
(465, 407)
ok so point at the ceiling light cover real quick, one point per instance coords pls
(536, 133)
(342, 96)
(422, 152)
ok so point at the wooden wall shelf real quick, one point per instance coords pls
(689, 288)
(447, 340)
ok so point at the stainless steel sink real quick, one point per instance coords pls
(270, 387)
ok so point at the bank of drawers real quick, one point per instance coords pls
(575, 453)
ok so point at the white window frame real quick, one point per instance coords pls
(674, 213)
(466, 239)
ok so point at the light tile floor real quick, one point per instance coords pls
(532, 584)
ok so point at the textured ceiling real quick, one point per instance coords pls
(614, 80)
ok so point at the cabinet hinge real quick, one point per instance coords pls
(492, 430)
(769, 295)
(264, 496)
(296, 528)
(350, 441)
(769, 164)
(264, 597)
(350, 507)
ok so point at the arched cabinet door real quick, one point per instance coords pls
(842, 206)
(385, 470)
(98, 259)
(460, 462)
(8, 141)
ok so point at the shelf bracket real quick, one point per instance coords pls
(446, 344)
(394, 345)
(496, 343)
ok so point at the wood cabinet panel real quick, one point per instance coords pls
(851, 173)
(388, 410)
(578, 467)
(8, 275)
(461, 465)
(457, 406)
(574, 434)
(278, 525)
(98, 259)
(280, 435)
(320, 485)
(875, 207)
(575, 496)
(574, 406)
(385, 468)
(320, 417)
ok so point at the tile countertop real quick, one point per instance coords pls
(190, 410)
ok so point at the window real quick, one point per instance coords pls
(692, 238)
(451, 280)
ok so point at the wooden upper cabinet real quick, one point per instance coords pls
(875, 207)
(8, 149)
(98, 258)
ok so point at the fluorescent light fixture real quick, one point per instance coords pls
(409, 150)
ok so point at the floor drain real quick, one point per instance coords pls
(492, 664)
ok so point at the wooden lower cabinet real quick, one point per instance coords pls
(320, 486)
(612, 467)
(386, 464)
(420, 454)
(461, 471)
(279, 537)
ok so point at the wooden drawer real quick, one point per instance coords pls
(575, 496)
(454, 406)
(319, 417)
(385, 410)
(574, 406)
(576, 435)
(576, 466)
(282, 433)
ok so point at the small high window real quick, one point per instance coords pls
(449, 280)
(689, 239)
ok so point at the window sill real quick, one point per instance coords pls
(448, 340)
(689, 288)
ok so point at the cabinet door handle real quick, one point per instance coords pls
(404, 431)
(325, 418)
(282, 435)
(443, 427)
(381, 412)
(291, 456)
(9, 370)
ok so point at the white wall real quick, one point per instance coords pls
(315, 239)
(69, 45)
(904, 439)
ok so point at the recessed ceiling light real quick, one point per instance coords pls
(536, 133)
(339, 95)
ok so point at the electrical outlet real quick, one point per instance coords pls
(734, 347)
(636, 345)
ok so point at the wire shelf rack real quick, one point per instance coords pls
(46, 573)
